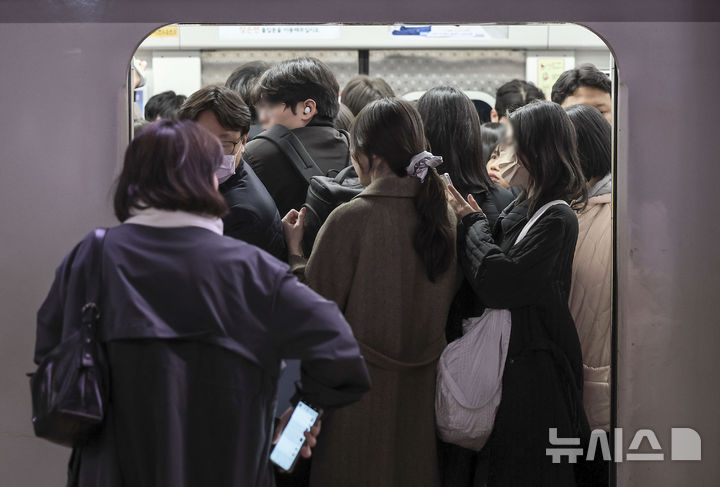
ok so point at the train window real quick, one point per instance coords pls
(477, 59)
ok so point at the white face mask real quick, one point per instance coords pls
(227, 168)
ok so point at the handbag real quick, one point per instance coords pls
(470, 371)
(69, 387)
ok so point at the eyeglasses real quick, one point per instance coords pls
(229, 147)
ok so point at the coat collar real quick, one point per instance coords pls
(393, 187)
(153, 217)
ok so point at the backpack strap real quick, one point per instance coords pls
(348, 162)
(292, 148)
(346, 134)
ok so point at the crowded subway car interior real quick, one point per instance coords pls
(345, 246)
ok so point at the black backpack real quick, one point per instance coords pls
(325, 191)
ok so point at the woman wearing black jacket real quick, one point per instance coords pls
(542, 381)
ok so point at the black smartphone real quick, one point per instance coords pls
(287, 449)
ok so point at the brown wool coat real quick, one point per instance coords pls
(364, 260)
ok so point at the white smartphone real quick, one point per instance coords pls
(287, 449)
(446, 178)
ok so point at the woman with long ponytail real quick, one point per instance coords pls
(387, 258)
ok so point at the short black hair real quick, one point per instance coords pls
(594, 140)
(361, 90)
(170, 165)
(243, 79)
(297, 80)
(585, 75)
(230, 110)
(163, 105)
(515, 94)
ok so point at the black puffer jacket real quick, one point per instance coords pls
(542, 381)
(466, 304)
(253, 216)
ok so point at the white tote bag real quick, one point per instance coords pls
(470, 371)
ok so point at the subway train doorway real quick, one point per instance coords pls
(177, 60)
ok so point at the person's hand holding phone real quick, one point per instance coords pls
(295, 436)
(461, 207)
(310, 436)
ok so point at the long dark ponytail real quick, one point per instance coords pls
(391, 129)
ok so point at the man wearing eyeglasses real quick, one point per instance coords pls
(253, 216)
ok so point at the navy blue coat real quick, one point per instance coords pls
(195, 325)
(253, 216)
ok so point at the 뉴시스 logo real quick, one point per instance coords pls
(685, 444)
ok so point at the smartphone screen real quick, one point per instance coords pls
(293, 437)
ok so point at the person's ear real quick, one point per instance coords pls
(245, 138)
(494, 116)
(308, 109)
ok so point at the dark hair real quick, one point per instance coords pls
(452, 127)
(572, 79)
(170, 165)
(243, 79)
(230, 110)
(546, 145)
(163, 105)
(344, 118)
(515, 94)
(362, 90)
(391, 128)
(594, 140)
(296, 80)
(492, 134)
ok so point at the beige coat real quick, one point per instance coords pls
(590, 305)
(364, 260)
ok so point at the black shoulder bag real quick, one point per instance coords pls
(325, 192)
(69, 388)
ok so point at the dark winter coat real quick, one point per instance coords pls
(196, 325)
(542, 382)
(252, 216)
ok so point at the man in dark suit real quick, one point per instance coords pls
(253, 216)
(302, 95)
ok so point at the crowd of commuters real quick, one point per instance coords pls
(206, 290)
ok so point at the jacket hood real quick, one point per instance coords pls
(602, 187)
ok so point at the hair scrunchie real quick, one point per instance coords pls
(421, 163)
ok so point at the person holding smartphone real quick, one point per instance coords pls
(195, 325)
(542, 382)
(387, 258)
